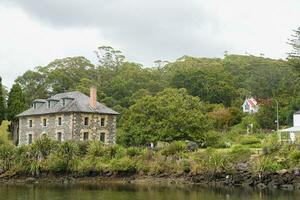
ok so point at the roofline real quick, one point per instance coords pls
(18, 116)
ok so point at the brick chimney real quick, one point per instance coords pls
(93, 97)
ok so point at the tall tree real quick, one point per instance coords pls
(2, 106)
(294, 55)
(16, 102)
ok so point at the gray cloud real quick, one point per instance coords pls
(144, 30)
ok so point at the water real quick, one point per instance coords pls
(131, 192)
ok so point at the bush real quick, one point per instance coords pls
(95, 149)
(211, 139)
(6, 156)
(133, 151)
(240, 153)
(216, 161)
(173, 148)
(124, 164)
(266, 164)
(250, 140)
(186, 166)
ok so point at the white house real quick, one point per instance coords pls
(295, 129)
(250, 105)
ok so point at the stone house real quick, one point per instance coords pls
(68, 116)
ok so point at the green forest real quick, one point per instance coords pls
(193, 98)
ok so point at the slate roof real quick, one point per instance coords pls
(78, 103)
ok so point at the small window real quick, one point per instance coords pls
(59, 138)
(102, 121)
(85, 136)
(29, 138)
(30, 123)
(49, 104)
(64, 102)
(44, 122)
(86, 121)
(102, 137)
(34, 105)
(59, 121)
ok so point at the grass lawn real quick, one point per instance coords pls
(4, 134)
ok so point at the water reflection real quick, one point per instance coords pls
(134, 192)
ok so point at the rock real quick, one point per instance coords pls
(296, 171)
(283, 171)
(261, 186)
(30, 180)
(242, 166)
(192, 146)
(287, 187)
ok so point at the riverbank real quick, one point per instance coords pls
(282, 180)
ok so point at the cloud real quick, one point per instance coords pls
(145, 30)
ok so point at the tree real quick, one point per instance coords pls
(170, 115)
(294, 55)
(16, 102)
(266, 116)
(2, 105)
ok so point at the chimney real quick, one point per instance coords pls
(93, 97)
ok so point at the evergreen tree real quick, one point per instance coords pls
(294, 56)
(15, 103)
(2, 106)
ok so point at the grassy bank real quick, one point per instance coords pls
(177, 158)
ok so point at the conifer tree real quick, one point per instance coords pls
(2, 106)
(15, 103)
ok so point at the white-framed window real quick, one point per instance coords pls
(102, 137)
(59, 136)
(86, 121)
(44, 122)
(29, 138)
(30, 122)
(59, 121)
(102, 121)
(86, 136)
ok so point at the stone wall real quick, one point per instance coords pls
(72, 127)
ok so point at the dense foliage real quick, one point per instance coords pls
(2, 103)
(188, 99)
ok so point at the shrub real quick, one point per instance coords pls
(266, 164)
(6, 156)
(186, 166)
(216, 161)
(124, 164)
(114, 151)
(250, 140)
(239, 153)
(44, 146)
(173, 148)
(55, 163)
(211, 139)
(133, 151)
(95, 149)
(82, 147)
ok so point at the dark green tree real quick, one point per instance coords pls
(294, 55)
(2, 105)
(15, 103)
(170, 115)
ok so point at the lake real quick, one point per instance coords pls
(134, 192)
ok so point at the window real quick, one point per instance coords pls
(44, 122)
(64, 102)
(102, 137)
(34, 105)
(29, 138)
(86, 121)
(85, 136)
(59, 121)
(49, 104)
(59, 138)
(102, 121)
(30, 123)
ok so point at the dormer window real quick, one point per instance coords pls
(34, 105)
(64, 102)
(49, 104)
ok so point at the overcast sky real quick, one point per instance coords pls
(35, 32)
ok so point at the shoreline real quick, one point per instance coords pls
(265, 181)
